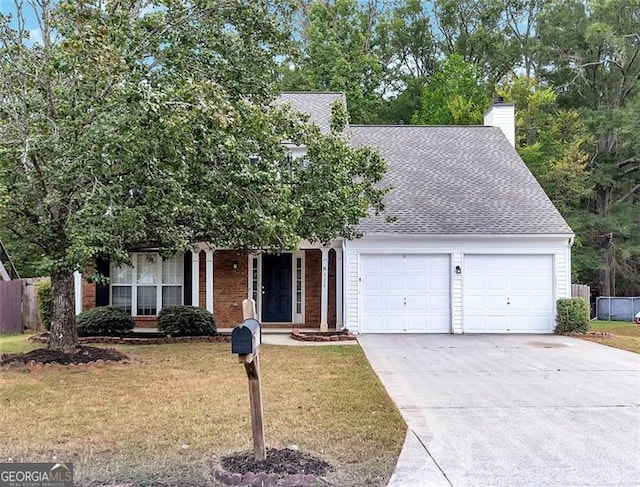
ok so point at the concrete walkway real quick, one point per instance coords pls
(527, 410)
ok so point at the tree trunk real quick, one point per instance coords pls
(63, 333)
(606, 275)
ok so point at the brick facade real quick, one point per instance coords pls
(88, 295)
(313, 287)
(230, 286)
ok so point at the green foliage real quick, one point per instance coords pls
(186, 321)
(572, 316)
(104, 321)
(477, 32)
(153, 124)
(45, 302)
(338, 55)
(455, 95)
(551, 140)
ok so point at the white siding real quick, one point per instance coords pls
(456, 293)
(562, 275)
(456, 246)
(351, 289)
(502, 116)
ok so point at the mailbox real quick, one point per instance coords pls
(245, 337)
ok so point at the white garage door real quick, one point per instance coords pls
(404, 293)
(508, 294)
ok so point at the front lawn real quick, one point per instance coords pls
(627, 335)
(159, 419)
(16, 344)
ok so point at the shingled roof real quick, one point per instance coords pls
(317, 105)
(456, 180)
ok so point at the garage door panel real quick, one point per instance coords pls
(393, 284)
(413, 292)
(372, 303)
(393, 304)
(372, 282)
(416, 282)
(391, 263)
(514, 293)
(417, 303)
(374, 322)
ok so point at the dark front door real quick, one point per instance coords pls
(276, 288)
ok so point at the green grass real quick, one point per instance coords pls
(17, 344)
(627, 335)
(161, 418)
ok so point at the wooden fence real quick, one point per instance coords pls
(581, 291)
(30, 318)
(19, 305)
(11, 306)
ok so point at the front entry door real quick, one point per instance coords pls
(276, 288)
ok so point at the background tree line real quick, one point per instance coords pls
(572, 68)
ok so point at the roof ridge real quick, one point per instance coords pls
(307, 92)
(383, 125)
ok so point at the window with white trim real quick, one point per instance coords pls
(152, 283)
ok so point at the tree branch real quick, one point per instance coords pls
(633, 191)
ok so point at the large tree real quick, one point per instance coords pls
(456, 94)
(338, 52)
(591, 53)
(153, 123)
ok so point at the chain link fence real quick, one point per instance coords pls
(617, 309)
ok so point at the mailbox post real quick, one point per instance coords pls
(245, 341)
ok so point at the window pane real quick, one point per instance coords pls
(121, 275)
(171, 296)
(146, 268)
(147, 296)
(121, 298)
(172, 270)
(299, 285)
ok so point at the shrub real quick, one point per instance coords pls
(104, 321)
(572, 316)
(186, 321)
(45, 302)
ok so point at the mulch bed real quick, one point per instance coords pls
(82, 355)
(283, 461)
(286, 467)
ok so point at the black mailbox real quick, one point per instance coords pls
(245, 337)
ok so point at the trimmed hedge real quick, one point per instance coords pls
(104, 321)
(186, 321)
(45, 302)
(572, 316)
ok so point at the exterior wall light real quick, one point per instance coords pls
(458, 270)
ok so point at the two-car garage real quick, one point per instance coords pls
(490, 293)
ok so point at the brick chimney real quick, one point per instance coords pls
(503, 116)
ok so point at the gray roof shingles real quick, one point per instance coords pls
(316, 105)
(456, 180)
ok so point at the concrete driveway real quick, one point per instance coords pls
(505, 410)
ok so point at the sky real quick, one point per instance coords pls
(8, 7)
